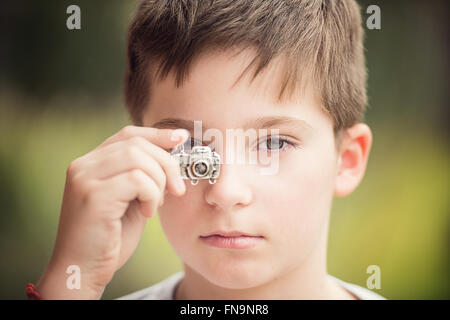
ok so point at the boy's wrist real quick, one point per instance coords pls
(53, 285)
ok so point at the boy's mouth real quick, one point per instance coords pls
(229, 234)
(231, 239)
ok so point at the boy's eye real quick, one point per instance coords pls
(275, 143)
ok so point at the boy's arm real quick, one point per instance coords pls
(108, 197)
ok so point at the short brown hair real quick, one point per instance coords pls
(322, 36)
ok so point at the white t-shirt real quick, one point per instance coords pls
(165, 289)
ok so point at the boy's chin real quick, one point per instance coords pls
(239, 276)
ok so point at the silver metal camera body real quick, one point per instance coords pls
(199, 163)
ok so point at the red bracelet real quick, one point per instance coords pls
(31, 292)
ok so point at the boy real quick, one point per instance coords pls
(295, 66)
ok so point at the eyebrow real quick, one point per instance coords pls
(258, 123)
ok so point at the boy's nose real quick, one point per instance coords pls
(230, 189)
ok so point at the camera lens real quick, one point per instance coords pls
(200, 168)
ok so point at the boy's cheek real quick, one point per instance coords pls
(297, 211)
(299, 225)
(178, 216)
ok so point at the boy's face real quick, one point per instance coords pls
(289, 209)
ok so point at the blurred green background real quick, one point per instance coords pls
(61, 95)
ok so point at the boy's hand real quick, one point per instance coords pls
(109, 194)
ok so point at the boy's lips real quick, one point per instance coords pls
(231, 239)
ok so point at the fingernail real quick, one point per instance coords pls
(179, 134)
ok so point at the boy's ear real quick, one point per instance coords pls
(352, 158)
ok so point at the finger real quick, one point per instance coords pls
(123, 160)
(126, 187)
(174, 182)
